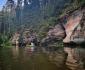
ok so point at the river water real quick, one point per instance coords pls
(26, 59)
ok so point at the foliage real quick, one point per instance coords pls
(4, 41)
(75, 4)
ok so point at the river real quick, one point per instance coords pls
(25, 59)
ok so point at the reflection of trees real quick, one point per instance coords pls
(15, 51)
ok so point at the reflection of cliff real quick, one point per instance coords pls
(15, 52)
(74, 29)
(75, 33)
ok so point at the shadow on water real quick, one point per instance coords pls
(24, 59)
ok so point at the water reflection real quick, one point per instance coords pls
(75, 59)
(15, 51)
(27, 58)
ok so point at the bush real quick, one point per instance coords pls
(4, 41)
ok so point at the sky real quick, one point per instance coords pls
(2, 2)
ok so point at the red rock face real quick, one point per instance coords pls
(58, 32)
(72, 27)
(71, 24)
(15, 38)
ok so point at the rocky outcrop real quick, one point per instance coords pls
(25, 38)
(73, 28)
(78, 35)
(75, 33)
(15, 38)
(55, 34)
(58, 32)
